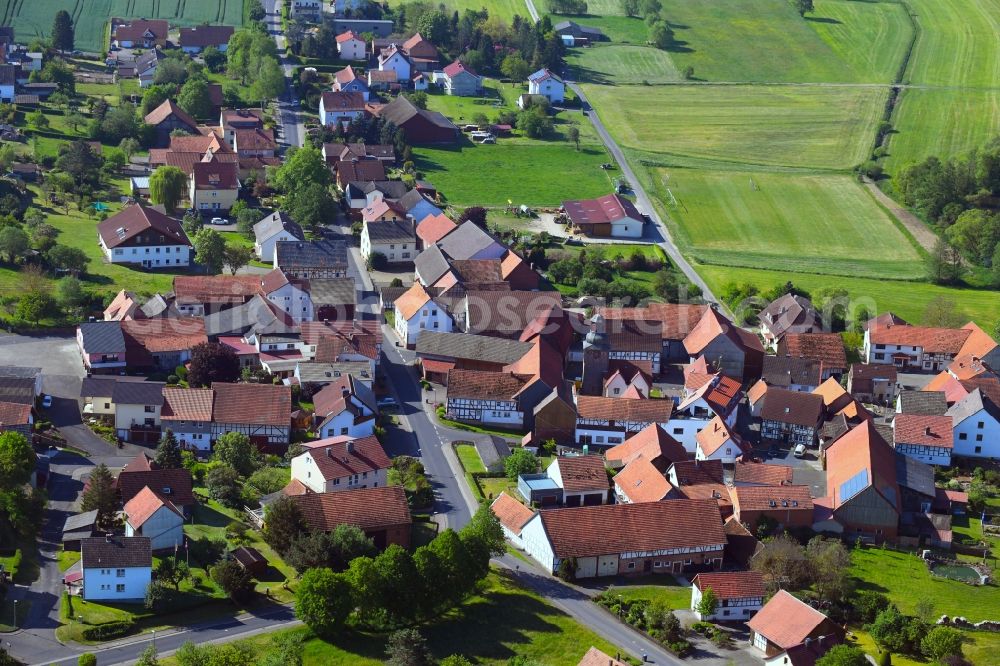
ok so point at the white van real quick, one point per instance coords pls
(800, 450)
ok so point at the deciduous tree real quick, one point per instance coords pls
(212, 362)
(210, 249)
(194, 99)
(520, 461)
(237, 451)
(233, 579)
(167, 186)
(323, 600)
(283, 522)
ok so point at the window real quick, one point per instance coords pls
(979, 438)
(979, 449)
(343, 431)
(979, 425)
(617, 391)
(336, 482)
(119, 588)
(879, 357)
(678, 431)
(963, 436)
(120, 573)
(725, 611)
(149, 409)
(657, 564)
(631, 565)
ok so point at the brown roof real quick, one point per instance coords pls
(178, 481)
(742, 545)
(602, 210)
(165, 110)
(712, 325)
(141, 463)
(206, 35)
(731, 584)
(364, 169)
(141, 508)
(652, 443)
(216, 175)
(786, 621)
(640, 481)
(255, 138)
(762, 474)
(14, 413)
(803, 409)
(192, 404)
(260, 404)
(215, 288)
(512, 514)
(932, 340)
(771, 498)
(134, 29)
(582, 473)
(595, 657)
(619, 409)
(162, 335)
(484, 385)
(923, 430)
(136, 219)
(677, 319)
(368, 508)
(827, 348)
(507, 311)
(342, 100)
(619, 528)
(337, 457)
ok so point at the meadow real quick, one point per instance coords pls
(773, 220)
(505, 9)
(90, 17)
(811, 127)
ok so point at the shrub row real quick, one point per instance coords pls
(108, 630)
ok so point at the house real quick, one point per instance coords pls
(359, 170)
(351, 47)
(16, 417)
(339, 108)
(512, 516)
(548, 85)
(102, 346)
(440, 352)
(718, 396)
(251, 559)
(306, 10)
(461, 81)
(161, 344)
(569, 481)
(873, 383)
(290, 295)
(198, 295)
(825, 348)
(213, 186)
(394, 59)
(381, 513)
(838, 402)
(930, 403)
(785, 623)
(139, 33)
(641, 481)
(787, 507)
(791, 417)
(231, 120)
(418, 206)
(702, 479)
(347, 80)
(277, 226)
(926, 438)
(333, 298)
(503, 313)
(652, 443)
(342, 463)
(420, 126)
(188, 414)
(142, 235)
(414, 312)
(790, 313)
(792, 373)
(609, 421)
(619, 383)
(314, 259)
(198, 38)
(980, 345)
(676, 321)
(611, 215)
(256, 142)
(260, 411)
(137, 410)
(739, 594)
(617, 539)
(632, 345)
(734, 351)
(717, 441)
(345, 407)
(574, 34)
(345, 152)
(394, 239)
(486, 397)
(144, 66)
(116, 568)
(595, 657)
(168, 118)
(760, 474)
(8, 82)
(156, 518)
(422, 54)
(78, 527)
(914, 347)
(976, 425)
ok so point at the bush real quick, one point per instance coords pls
(108, 630)
(87, 659)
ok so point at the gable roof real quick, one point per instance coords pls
(512, 514)
(348, 36)
(137, 218)
(618, 528)
(391, 231)
(786, 621)
(274, 223)
(582, 473)
(507, 311)
(542, 75)
(102, 337)
(484, 385)
(206, 35)
(972, 404)
(595, 657)
(652, 443)
(466, 241)
(603, 210)
(141, 508)
(932, 340)
(314, 254)
(433, 228)
(859, 459)
(169, 108)
(979, 343)
(731, 584)
(922, 402)
(828, 348)
(771, 498)
(14, 413)
(762, 474)
(711, 326)
(130, 483)
(191, 404)
(923, 430)
(260, 404)
(471, 347)
(458, 68)
(641, 481)
(337, 457)
(783, 371)
(368, 508)
(412, 300)
(622, 409)
(676, 319)
(803, 409)
(215, 175)
(120, 552)
(790, 313)
(714, 436)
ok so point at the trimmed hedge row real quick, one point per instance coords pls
(108, 630)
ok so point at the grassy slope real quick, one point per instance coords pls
(823, 128)
(505, 9)
(723, 220)
(870, 37)
(907, 299)
(617, 64)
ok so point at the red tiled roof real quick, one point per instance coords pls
(484, 385)
(215, 288)
(762, 474)
(923, 430)
(206, 35)
(595, 657)
(141, 463)
(337, 457)
(932, 340)
(342, 100)
(346, 36)
(582, 473)
(456, 68)
(677, 319)
(861, 448)
(261, 404)
(141, 508)
(640, 481)
(368, 508)
(412, 300)
(192, 404)
(130, 483)
(512, 514)
(759, 498)
(979, 343)
(255, 139)
(165, 110)
(714, 435)
(786, 621)
(618, 409)
(602, 210)
(620, 528)
(163, 335)
(652, 443)
(216, 175)
(731, 584)
(435, 227)
(827, 348)
(14, 413)
(712, 325)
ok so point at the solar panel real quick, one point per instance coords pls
(854, 485)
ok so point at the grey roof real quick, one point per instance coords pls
(927, 403)
(254, 315)
(573, 26)
(399, 231)
(392, 189)
(784, 371)
(412, 199)
(119, 552)
(465, 241)
(471, 347)
(400, 110)
(98, 387)
(431, 264)
(972, 404)
(915, 475)
(326, 373)
(102, 337)
(19, 371)
(274, 223)
(148, 59)
(790, 313)
(17, 390)
(138, 393)
(291, 255)
(159, 305)
(333, 291)
(80, 521)
(8, 75)
(388, 295)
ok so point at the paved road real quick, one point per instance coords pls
(292, 129)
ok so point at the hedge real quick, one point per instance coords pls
(108, 630)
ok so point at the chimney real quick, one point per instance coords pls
(927, 430)
(108, 538)
(350, 447)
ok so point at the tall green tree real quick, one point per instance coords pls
(323, 600)
(81, 162)
(283, 523)
(100, 494)
(210, 249)
(237, 257)
(708, 603)
(804, 7)
(236, 450)
(407, 647)
(520, 461)
(941, 643)
(168, 451)
(13, 243)
(212, 362)
(269, 81)
(62, 31)
(194, 99)
(304, 166)
(233, 579)
(17, 460)
(168, 186)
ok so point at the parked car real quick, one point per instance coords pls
(219, 220)
(799, 451)
(47, 401)
(387, 402)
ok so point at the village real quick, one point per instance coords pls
(269, 363)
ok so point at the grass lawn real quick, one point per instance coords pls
(68, 558)
(957, 44)
(944, 123)
(493, 487)
(871, 37)
(907, 299)
(770, 220)
(905, 580)
(654, 587)
(505, 9)
(617, 64)
(820, 128)
(502, 621)
(469, 458)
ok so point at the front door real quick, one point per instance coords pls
(647, 566)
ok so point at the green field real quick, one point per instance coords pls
(31, 19)
(505, 9)
(907, 299)
(957, 44)
(617, 64)
(812, 127)
(734, 218)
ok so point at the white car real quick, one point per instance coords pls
(219, 220)
(47, 401)
(799, 451)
